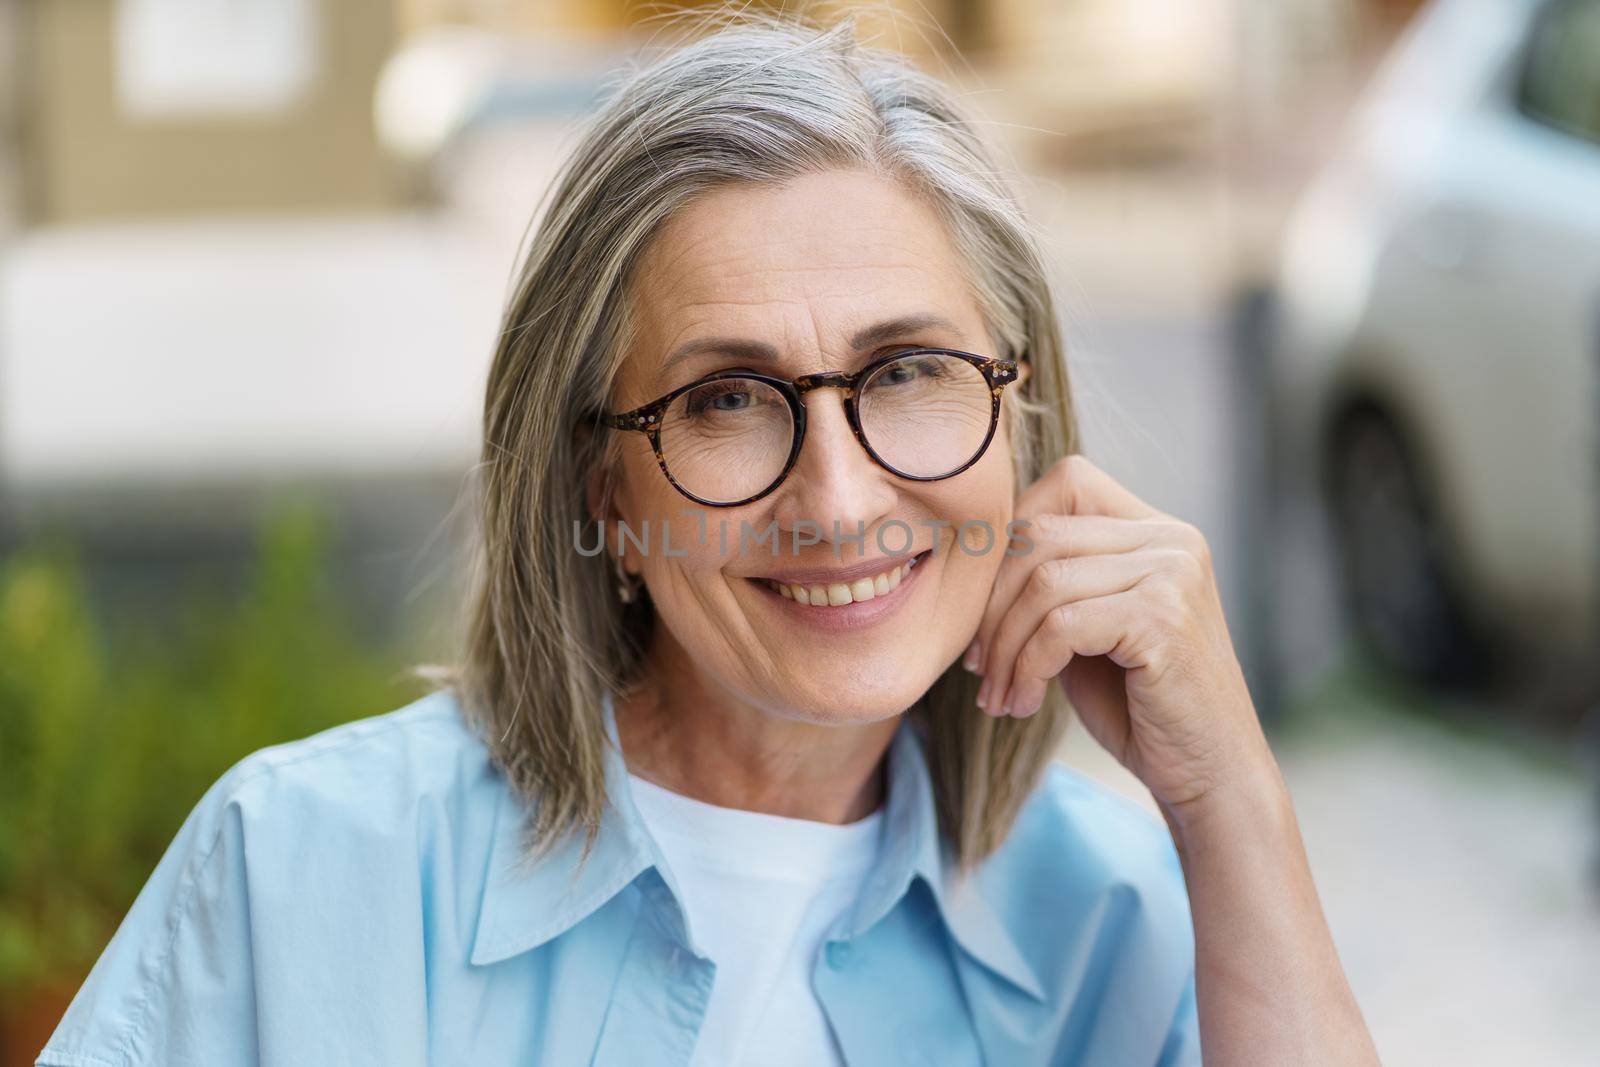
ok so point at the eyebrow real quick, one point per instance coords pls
(865, 338)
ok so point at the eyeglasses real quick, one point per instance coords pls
(730, 438)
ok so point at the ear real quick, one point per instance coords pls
(600, 504)
(1024, 370)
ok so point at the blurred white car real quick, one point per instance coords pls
(1437, 354)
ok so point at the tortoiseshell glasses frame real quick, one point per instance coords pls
(647, 418)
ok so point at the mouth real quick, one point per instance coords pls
(834, 595)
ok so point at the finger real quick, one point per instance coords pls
(1055, 536)
(1052, 583)
(1075, 486)
(1097, 626)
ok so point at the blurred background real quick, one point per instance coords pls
(1330, 273)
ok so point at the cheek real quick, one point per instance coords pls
(687, 545)
(978, 504)
(985, 492)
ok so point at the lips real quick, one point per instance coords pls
(844, 587)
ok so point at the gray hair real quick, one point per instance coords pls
(757, 99)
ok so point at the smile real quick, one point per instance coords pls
(841, 594)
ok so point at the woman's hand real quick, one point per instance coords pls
(1118, 603)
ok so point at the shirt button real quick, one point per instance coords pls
(838, 955)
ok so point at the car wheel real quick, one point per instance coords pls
(1399, 599)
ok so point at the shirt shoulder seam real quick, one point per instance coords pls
(49, 1057)
(127, 1049)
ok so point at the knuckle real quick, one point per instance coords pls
(1175, 610)
(1194, 541)
(1167, 602)
(1052, 526)
(1052, 576)
(1062, 618)
(1183, 565)
(1029, 658)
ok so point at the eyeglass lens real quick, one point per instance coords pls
(926, 415)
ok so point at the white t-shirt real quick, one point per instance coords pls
(761, 892)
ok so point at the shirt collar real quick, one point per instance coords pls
(524, 907)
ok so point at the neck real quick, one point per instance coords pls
(689, 734)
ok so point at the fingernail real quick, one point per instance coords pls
(970, 660)
(983, 696)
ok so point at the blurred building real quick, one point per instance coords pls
(10, 116)
(133, 108)
(140, 108)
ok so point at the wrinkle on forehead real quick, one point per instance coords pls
(775, 264)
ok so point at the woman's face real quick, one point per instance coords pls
(803, 268)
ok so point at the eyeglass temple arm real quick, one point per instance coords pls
(1002, 371)
(637, 419)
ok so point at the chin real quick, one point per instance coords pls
(884, 698)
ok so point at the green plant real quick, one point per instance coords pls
(109, 734)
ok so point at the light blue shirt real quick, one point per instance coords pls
(350, 899)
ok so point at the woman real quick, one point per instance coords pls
(784, 539)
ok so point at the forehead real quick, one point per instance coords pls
(800, 266)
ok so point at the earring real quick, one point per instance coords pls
(627, 587)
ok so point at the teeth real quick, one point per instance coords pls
(838, 594)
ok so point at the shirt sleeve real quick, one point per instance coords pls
(1182, 1048)
(175, 984)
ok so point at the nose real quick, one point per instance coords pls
(834, 480)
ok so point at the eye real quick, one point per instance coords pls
(910, 370)
(734, 395)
